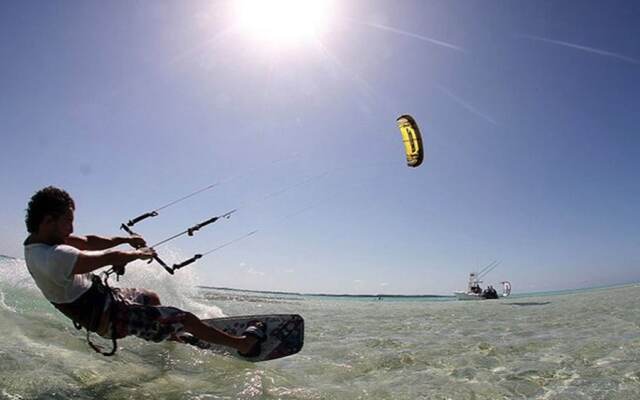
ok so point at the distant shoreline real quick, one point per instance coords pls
(420, 296)
(430, 296)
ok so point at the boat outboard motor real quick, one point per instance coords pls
(506, 288)
(490, 293)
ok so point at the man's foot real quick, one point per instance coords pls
(254, 335)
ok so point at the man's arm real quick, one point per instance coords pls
(94, 242)
(87, 262)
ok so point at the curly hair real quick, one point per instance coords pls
(48, 201)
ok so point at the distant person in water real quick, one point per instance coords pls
(62, 264)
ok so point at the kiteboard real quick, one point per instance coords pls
(284, 335)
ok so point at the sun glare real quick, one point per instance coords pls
(283, 21)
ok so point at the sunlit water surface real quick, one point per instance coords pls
(581, 345)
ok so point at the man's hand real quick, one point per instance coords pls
(136, 241)
(90, 261)
(145, 253)
(142, 253)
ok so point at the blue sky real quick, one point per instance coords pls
(529, 112)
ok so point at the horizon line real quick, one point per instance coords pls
(442, 296)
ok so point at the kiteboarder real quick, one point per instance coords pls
(62, 264)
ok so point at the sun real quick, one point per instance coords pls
(283, 21)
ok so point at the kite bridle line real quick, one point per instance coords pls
(199, 256)
(189, 231)
(155, 213)
(119, 270)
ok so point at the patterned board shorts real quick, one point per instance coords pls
(135, 316)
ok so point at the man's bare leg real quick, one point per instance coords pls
(193, 325)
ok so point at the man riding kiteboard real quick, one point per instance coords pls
(62, 264)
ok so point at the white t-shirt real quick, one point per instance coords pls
(51, 267)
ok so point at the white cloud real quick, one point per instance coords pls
(253, 271)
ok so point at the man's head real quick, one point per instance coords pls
(50, 214)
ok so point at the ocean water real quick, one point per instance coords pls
(582, 345)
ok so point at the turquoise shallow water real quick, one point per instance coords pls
(582, 345)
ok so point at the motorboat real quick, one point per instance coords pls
(474, 290)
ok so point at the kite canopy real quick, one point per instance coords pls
(412, 140)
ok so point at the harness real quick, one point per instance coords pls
(96, 300)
